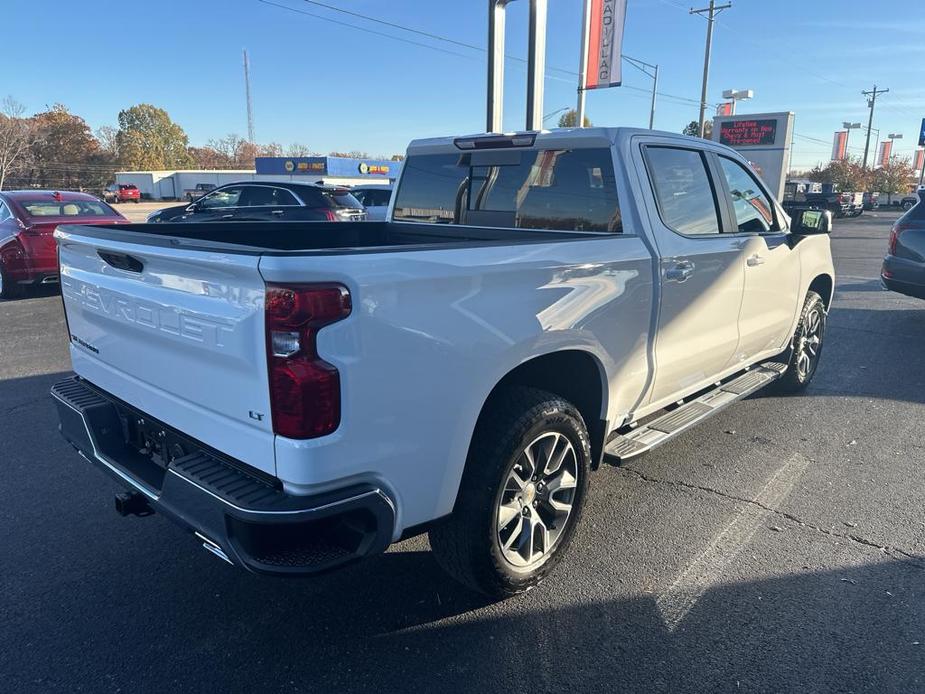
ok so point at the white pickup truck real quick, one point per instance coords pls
(300, 395)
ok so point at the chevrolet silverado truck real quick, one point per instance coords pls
(300, 395)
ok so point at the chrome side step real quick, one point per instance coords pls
(626, 443)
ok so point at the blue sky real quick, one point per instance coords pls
(332, 86)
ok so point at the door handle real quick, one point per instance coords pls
(227, 216)
(278, 213)
(679, 271)
(754, 259)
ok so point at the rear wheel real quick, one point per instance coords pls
(807, 346)
(521, 495)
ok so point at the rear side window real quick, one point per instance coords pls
(683, 191)
(752, 207)
(555, 189)
(265, 196)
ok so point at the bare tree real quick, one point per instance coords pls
(297, 149)
(15, 137)
(107, 137)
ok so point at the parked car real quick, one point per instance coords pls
(28, 255)
(871, 201)
(375, 199)
(903, 268)
(201, 189)
(261, 202)
(908, 201)
(827, 197)
(300, 396)
(121, 192)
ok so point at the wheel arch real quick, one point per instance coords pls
(573, 374)
(824, 285)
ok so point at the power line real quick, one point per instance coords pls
(444, 39)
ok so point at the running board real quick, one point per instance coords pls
(628, 443)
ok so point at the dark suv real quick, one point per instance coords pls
(903, 268)
(266, 202)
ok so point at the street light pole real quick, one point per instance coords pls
(848, 128)
(654, 94)
(583, 64)
(711, 11)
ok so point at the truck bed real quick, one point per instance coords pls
(317, 237)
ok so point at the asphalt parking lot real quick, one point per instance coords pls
(778, 547)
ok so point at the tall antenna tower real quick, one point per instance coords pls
(250, 106)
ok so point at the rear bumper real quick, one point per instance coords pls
(903, 276)
(240, 515)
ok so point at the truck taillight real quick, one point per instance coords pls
(304, 389)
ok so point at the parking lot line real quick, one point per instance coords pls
(708, 568)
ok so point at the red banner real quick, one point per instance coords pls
(840, 145)
(724, 109)
(919, 159)
(603, 63)
(886, 149)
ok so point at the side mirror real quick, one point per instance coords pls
(192, 208)
(808, 222)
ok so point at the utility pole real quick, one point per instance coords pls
(711, 12)
(871, 102)
(247, 92)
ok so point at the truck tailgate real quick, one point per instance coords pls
(178, 334)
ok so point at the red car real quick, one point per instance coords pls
(28, 219)
(122, 192)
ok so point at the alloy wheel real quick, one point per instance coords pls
(536, 502)
(810, 344)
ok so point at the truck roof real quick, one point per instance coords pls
(558, 137)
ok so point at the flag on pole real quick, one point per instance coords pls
(886, 149)
(603, 64)
(840, 145)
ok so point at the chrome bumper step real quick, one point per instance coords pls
(627, 443)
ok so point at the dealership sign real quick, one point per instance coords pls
(603, 64)
(764, 139)
(747, 132)
(922, 134)
(335, 167)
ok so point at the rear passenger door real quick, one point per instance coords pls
(701, 270)
(772, 268)
(266, 203)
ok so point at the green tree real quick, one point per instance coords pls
(569, 119)
(149, 139)
(847, 174)
(895, 177)
(692, 129)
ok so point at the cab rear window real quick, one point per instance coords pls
(554, 189)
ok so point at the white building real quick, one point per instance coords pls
(173, 185)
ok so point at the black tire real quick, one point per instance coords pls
(800, 372)
(468, 545)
